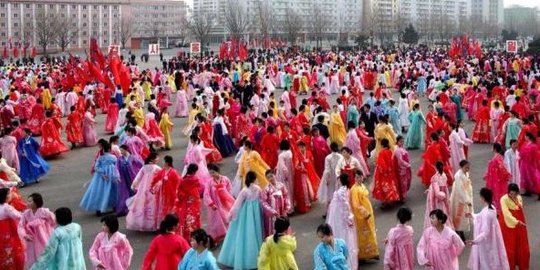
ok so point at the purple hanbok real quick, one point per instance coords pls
(128, 167)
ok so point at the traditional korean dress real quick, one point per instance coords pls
(461, 201)
(181, 104)
(326, 257)
(243, 240)
(497, 178)
(277, 255)
(386, 184)
(64, 250)
(481, 132)
(128, 167)
(415, 133)
(188, 205)
(164, 186)
(364, 221)
(167, 250)
(217, 194)
(329, 181)
(102, 191)
(275, 203)
(8, 146)
(89, 129)
(112, 118)
(529, 167)
(403, 168)
(32, 164)
(252, 161)
(74, 128)
(515, 237)
(51, 143)
(222, 139)
(112, 252)
(337, 129)
(11, 246)
(39, 226)
(441, 249)
(399, 250)
(142, 208)
(438, 198)
(201, 261)
(165, 125)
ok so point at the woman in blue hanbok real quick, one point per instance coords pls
(456, 98)
(32, 166)
(331, 253)
(352, 113)
(221, 137)
(421, 85)
(241, 246)
(511, 128)
(394, 117)
(64, 250)
(128, 166)
(198, 257)
(415, 134)
(101, 193)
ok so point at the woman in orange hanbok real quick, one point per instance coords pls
(51, 143)
(74, 128)
(306, 181)
(386, 183)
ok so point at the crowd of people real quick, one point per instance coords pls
(303, 128)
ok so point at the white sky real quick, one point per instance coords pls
(527, 3)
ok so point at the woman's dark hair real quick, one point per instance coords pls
(487, 194)
(248, 144)
(151, 157)
(194, 138)
(113, 139)
(284, 145)
(111, 221)
(325, 229)
(404, 214)
(168, 223)
(192, 168)
(63, 216)
(106, 146)
(251, 177)
(439, 214)
(3, 195)
(37, 199)
(463, 162)
(347, 149)
(201, 237)
(281, 225)
(351, 125)
(213, 167)
(498, 148)
(513, 187)
(399, 138)
(358, 173)
(168, 160)
(344, 179)
(334, 147)
(439, 166)
(434, 136)
(385, 143)
(530, 136)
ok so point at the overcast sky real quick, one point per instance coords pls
(528, 3)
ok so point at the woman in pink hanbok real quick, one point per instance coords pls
(35, 228)
(142, 207)
(353, 142)
(181, 104)
(340, 217)
(438, 196)
(529, 165)
(8, 147)
(196, 154)
(403, 165)
(440, 245)
(399, 250)
(219, 201)
(111, 249)
(488, 250)
(497, 176)
(89, 128)
(275, 203)
(457, 147)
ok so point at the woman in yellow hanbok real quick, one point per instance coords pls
(165, 125)
(46, 98)
(277, 250)
(146, 85)
(364, 219)
(383, 130)
(252, 161)
(172, 84)
(138, 114)
(336, 128)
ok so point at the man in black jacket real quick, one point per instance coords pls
(323, 129)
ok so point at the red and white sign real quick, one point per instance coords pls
(195, 47)
(511, 46)
(153, 49)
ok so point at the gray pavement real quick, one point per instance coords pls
(64, 186)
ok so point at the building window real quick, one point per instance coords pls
(95, 7)
(84, 42)
(2, 5)
(15, 24)
(84, 15)
(84, 33)
(62, 6)
(84, 24)
(15, 5)
(51, 6)
(3, 35)
(15, 15)
(73, 7)
(27, 15)
(105, 6)
(27, 6)
(105, 41)
(2, 15)
(84, 7)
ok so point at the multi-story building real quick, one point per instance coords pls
(524, 20)
(488, 11)
(109, 21)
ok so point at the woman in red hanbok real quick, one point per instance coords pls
(434, 152)
(529, 165)
(37, 117)
(320, 151)
(481, 132)
(112, 116)
(242, 126)
(188, 202)
(11, 246)
(386, 184)
(431, 123)
(164, 186)
(204, 131)
(306, 180)
(514, 229)
(74, 128)
(269, 147)
(51, 143)
(497, 176)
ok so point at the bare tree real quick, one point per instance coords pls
(200, 26)
(45, 30)
(155, 30)
(292, 25)
(125, 29)
(235, 19)
(265, 21)
(66, 31)
(319, 23)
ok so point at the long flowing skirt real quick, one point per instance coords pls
(241, 246)
(100, 195)
(11, 248)
(415, 137)
(224, 143)
(142, 212)
(32, 168)
(481, 132)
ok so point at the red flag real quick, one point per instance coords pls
(34, 52)
(15, 52)
(242, 52)
(5, 54)
(94, 70)
(96, 54)
(125, 78)
(114, 66)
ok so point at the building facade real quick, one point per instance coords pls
(109, 21)
(524, 20)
